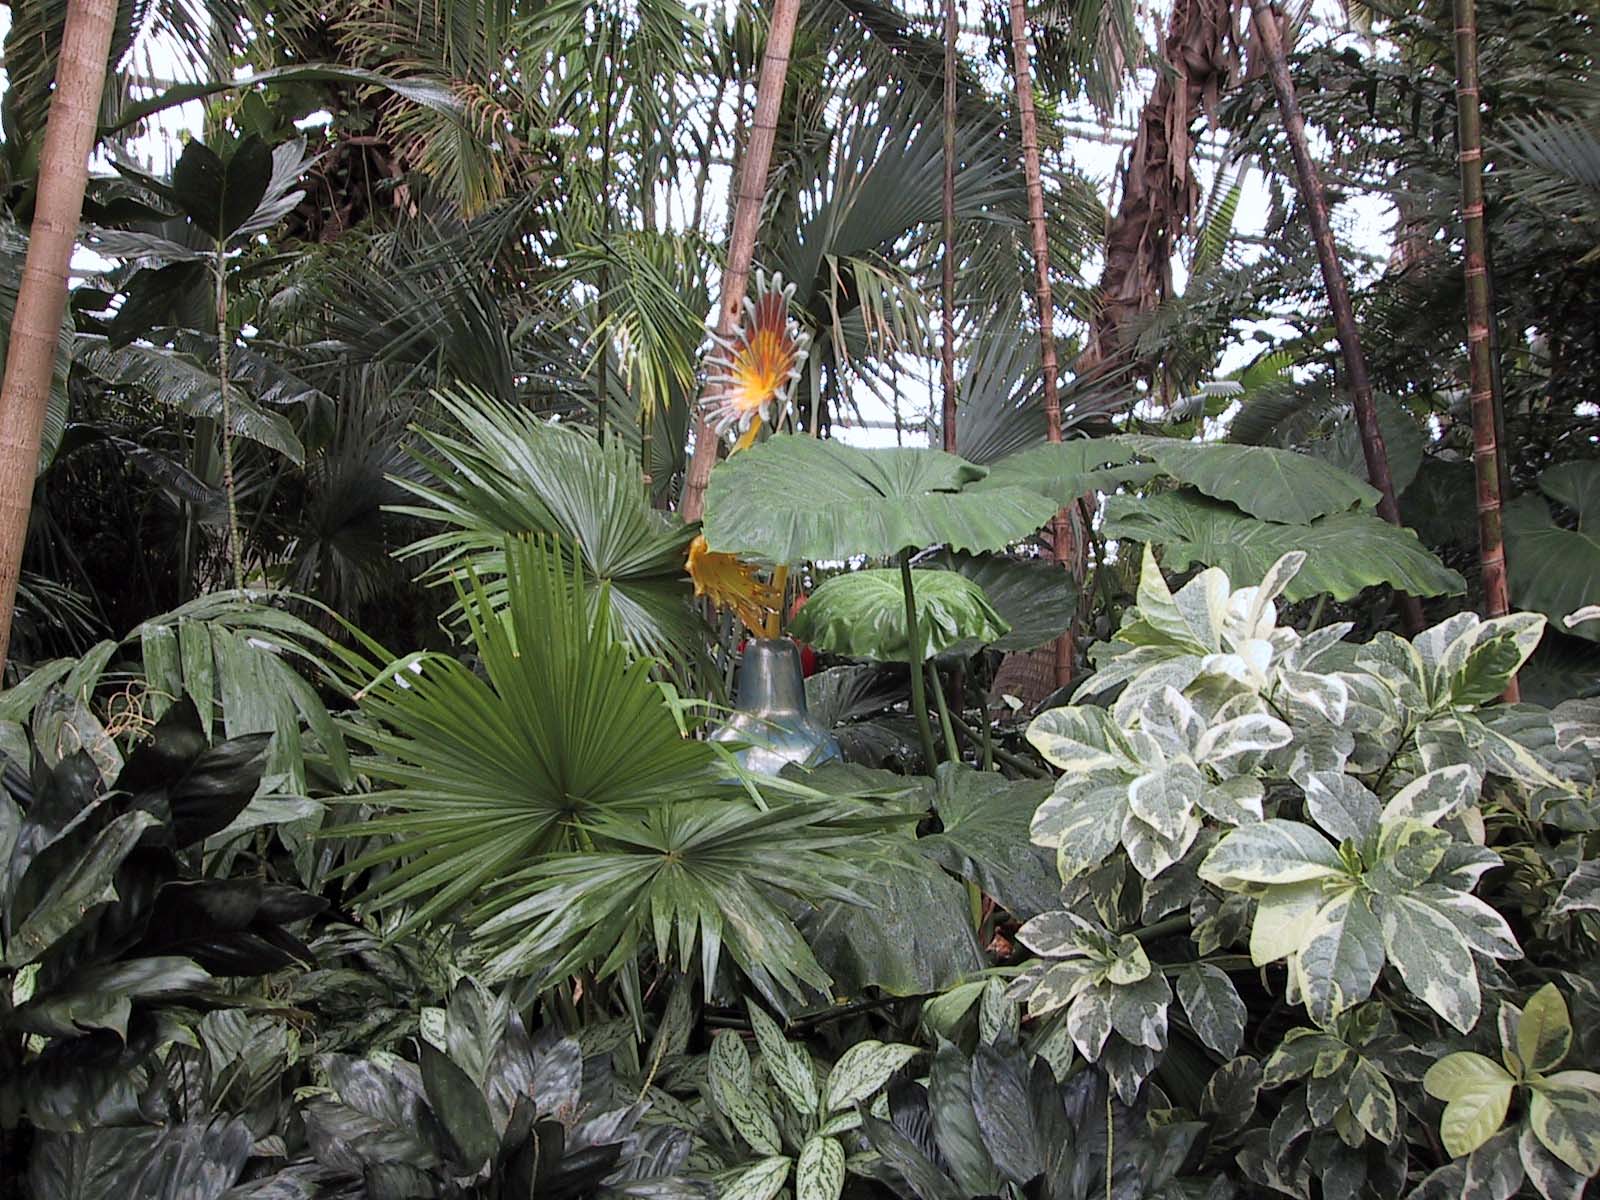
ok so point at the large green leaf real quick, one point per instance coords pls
(198, 1160)
(1555, 570)
(793, 497)
(1036, 597)
(178, 381)
(551, 804)
(863, 614)
(484, 772)
(985, 837)
(1066, 470)
(1345, 552)
(1275, 485)
(909, 933)
(219, 194)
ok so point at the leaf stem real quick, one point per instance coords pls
(235, 557)
(951, 750)
(996, 753)
(919, 697)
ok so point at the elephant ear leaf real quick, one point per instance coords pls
(219, 195)
(1345, 551)
(1552, 569)
(794, 497)
(1275, 485)
(863, 614)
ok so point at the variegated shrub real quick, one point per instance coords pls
(1318, 813)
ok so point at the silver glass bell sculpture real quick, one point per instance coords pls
(770, 719)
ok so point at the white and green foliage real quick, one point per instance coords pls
(1104, 982)
(791, 1110)
(1557, 1137)
(1319, 801)
(1395, 888)
(1349, 1068)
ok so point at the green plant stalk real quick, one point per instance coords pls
(951, 750)
(1015, 761)
(919, 698)
(235, 557)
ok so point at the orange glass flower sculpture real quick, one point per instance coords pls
(729, 582)
(759, 366)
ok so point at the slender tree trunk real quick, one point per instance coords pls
(42, 297)
(1315, 202)
(947, 281)
(225, 391)
(1062, 540)
(746, 225)
(1480, 360)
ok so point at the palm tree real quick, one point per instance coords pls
(1061, 532)
(1480, 363)
(757, 157)
(1269, 33)
(42, 298)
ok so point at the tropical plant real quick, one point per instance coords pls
(1324, 803)
(112, 934)
(511, 805)
(517, 475)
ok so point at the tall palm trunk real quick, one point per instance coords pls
(947, 266)
(42, 296)
(1315, 201)
(1480, 357)
(1061, 533)
(746, 224)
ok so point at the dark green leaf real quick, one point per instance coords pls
(219, 195)
(460, 1107)
(985, 839)
(1345, 552)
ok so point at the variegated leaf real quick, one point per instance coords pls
(819, 1174)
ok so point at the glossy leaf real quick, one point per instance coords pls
(863, 614)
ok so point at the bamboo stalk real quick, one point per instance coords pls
(1480, 358)
(42, 295)
(1062, 542)
(1315, 201)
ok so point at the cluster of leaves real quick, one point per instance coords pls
(1330, 808)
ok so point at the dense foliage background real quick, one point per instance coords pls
(359, 836)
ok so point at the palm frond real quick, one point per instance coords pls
(515, 474)
(552, 804)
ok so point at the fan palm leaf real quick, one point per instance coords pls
(553, 805)
(514, 474)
